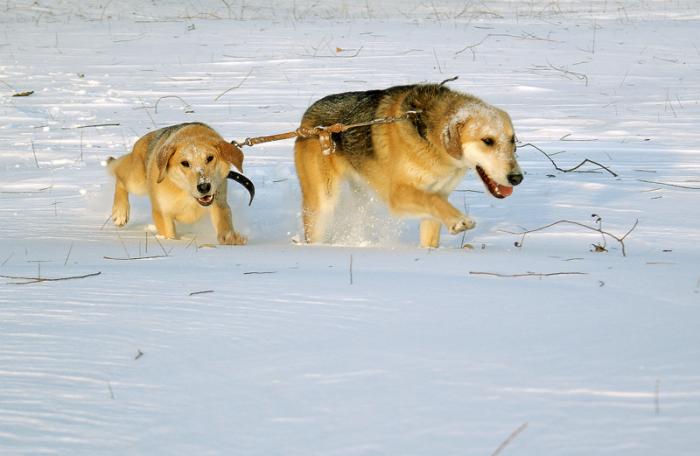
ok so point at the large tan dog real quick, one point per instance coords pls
(413, 165)
(183, 170)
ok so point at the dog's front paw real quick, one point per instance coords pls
(462, 224)
(231, 238)
(120, 215)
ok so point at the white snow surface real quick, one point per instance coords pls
(370, 345)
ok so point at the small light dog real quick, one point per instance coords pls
(413, 165)
(183, 169)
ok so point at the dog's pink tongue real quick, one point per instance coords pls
(505, 191)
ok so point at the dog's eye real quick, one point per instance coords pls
(185, 163)
(488, 141)
(210, 158)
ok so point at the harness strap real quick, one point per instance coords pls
(324, 132)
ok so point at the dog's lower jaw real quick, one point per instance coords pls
(205, 200)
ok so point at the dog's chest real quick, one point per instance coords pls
(182, 207)
(439, 182)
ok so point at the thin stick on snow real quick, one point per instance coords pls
(657, 404)
(437, 61)
(70, 249)
(188, 106)
(687, 187)
(30, 280)
(105, 223)
(123, 245)
(195, 293)
(527, 274)
(98, 125)
(148, 257)
(619, 239)
(36, 160)
(234, 87)
(148, 112)
(111, 392)
(570, 170)
(351, 281)
(7, 259)
(510, 438)
(80, 160)
(166, 253)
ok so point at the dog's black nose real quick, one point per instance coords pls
(515, 178)
(204, 187)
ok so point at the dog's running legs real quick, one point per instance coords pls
(223, 222)
(164, 224)
(430, 233)
(120, 208)
(410, 200)
(320, 184)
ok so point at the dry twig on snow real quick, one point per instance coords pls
(598, 229)
(30, 280)
(526, 274)
(510, 438)
(570, 170)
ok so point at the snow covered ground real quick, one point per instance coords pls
(370, 346)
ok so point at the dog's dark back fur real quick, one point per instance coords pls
(356, 107)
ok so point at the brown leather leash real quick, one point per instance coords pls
(324, 132)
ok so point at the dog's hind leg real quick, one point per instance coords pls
(320, 185)
(430, 233)
(120, 207)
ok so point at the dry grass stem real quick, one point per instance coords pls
(570, 170)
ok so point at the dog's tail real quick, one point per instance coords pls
(109, 163)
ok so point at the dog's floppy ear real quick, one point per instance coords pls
(163, 155)
(452, 138)
(231, 154)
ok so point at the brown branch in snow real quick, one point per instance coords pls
(598, 229)
(188, 106)
(95, 126)
(195, 293)
(549, 157)
(30, 280)
(148, 112)
(36, 160)
(151, 257)
(687, 187)
(235, 87)
(527, 274)
(27, 192)
(70, 249)
(510, 438)
(564, 71)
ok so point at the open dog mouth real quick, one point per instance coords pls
(206, 200)
(497, 190)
